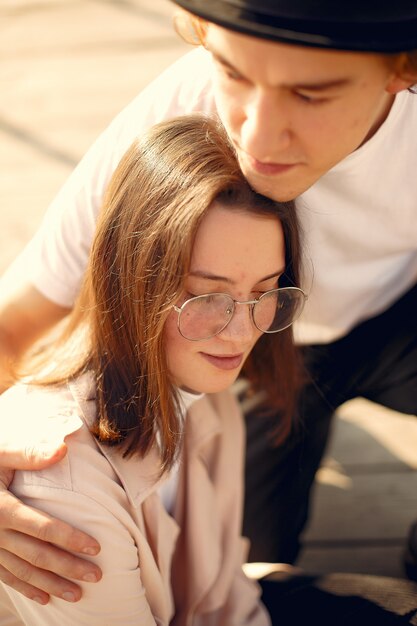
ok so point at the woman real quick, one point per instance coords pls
(191, 277)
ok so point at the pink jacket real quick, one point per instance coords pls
(157, 569)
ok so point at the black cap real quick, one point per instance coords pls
(362, 25)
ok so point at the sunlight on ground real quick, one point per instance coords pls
(394, 431)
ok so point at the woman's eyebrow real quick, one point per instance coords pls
(229, 281)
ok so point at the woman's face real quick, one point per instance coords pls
(238, 253)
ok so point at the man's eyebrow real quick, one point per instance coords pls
(316, 86)
(322, 85)
(229, 281)
(218, 57)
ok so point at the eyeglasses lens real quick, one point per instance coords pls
(204, 317)
(278, 309)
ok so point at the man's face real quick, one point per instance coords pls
(293, 112)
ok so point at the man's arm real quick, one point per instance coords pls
(33, 546)
(25, 315)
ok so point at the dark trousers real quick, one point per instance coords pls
(340, 600)
(376, 360)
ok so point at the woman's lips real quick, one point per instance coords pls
(227, 362)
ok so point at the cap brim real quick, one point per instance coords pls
(388, 37)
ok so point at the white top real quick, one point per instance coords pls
(359, 220)
(168, 489)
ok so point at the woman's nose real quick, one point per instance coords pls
(241, 327)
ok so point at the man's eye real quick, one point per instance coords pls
(232, 75)
(229, 72)
(310, 99)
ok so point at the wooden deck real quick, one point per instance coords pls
(66, 68)
(366, 493)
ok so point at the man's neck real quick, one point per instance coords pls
(386, 108)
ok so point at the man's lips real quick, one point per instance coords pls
(266, 168)
(224, 362)
(269, 169)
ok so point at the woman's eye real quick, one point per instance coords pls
(257, 293)
(187, 295)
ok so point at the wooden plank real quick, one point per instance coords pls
(365, 494)
(57, 96)
(376, 506)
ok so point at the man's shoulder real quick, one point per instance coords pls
(184, 87)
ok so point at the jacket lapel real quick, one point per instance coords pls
(203, 565)
(157, 531)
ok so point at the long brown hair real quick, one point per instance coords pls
(155, 201)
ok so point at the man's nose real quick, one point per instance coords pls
(266, 130)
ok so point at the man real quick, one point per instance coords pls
(314, 96)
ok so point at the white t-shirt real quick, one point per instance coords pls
(359, 220)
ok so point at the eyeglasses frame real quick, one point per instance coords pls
(251, 303)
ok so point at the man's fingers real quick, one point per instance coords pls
(6, 477)
(31, 558)
(14, 515)
(44, 557)
(24, 588)
(38, 583)
(32, 457)
(41, 456)
(38, 443)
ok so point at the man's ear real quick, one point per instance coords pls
(404, 74)
(399, 83)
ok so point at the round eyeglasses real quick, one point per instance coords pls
(205, 316)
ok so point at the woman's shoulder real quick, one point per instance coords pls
(89, 471)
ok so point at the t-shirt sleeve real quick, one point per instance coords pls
(57, 256)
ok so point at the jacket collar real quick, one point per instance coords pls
(139, 485)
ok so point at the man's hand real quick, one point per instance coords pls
(33, 551)
(34, 557)
(30, 457)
